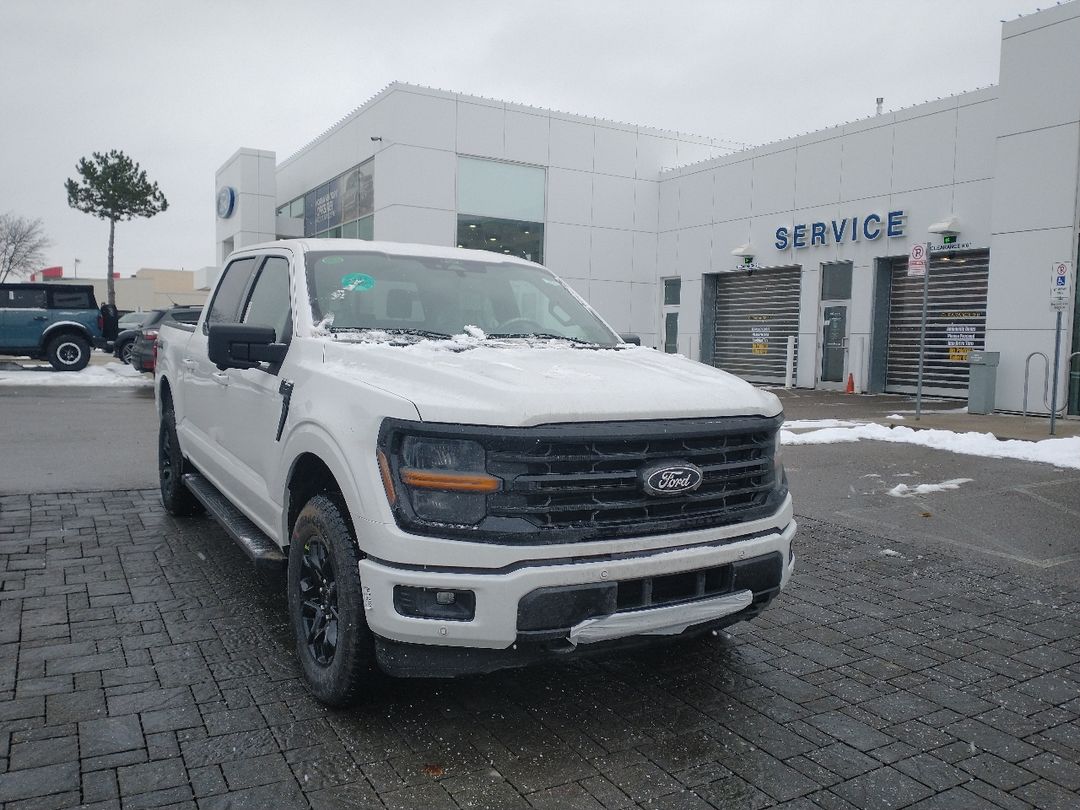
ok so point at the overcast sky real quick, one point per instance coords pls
(179, 86)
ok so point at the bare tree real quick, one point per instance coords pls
(22, 245)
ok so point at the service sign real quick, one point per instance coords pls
(1061, 281)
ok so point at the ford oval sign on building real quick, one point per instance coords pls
(226, 202)
(671, 478)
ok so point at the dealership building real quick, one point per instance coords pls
(739, 257)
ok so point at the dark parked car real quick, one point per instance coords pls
(143, 355)
(56, 322)
(128, 327)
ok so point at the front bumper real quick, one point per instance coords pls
(499, 594)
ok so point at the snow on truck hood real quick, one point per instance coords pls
(522, 383)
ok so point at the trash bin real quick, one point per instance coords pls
(982, 381)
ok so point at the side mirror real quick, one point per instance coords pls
(628, 338)
(238, 345)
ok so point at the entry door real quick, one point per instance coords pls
(834, 345)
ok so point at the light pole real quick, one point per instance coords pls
(76, 270)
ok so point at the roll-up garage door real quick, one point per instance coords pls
(955, 323)
(754, 314)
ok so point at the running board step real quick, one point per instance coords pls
(263, 551)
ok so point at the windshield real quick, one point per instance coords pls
(436, 297)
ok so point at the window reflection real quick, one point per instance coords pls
(510, 236)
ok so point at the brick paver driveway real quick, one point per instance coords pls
(143, 663)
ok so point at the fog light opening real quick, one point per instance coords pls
(444, 604)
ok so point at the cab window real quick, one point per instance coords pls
(269, 303)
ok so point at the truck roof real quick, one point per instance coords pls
(389, 248)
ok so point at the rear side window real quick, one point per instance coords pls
(22, 299)
(225, 307)
(72, 299)
(186, 315)
(270, 304)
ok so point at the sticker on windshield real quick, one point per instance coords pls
(357, 281)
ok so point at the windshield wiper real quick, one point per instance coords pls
(424, 333)
(543, 336)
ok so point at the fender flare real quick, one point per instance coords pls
(61, 327)
(310, 438)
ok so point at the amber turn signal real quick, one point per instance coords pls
(387, 479)
(450, 481)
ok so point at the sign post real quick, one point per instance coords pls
(1060, 295)
(919, 265)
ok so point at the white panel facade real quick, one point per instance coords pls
(626, 206)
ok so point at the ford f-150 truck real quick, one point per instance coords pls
(461, 465)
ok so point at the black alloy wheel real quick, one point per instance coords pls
(175, 496)
(319, 610)
(326, 605)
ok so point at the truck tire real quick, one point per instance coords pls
(326, 607)
(175, 497)
(68, 352)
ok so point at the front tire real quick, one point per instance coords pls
(68, 352)
(175, 497)
(326, 607)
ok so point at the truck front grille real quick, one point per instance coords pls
(595, 483)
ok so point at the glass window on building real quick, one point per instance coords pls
(671, 332)
(511, 236)
(669, 312)
(672, 292)
(501, 207)
(329, 209)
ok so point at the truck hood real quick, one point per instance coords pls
(515, 383)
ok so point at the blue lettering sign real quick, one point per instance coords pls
(851, 229)
(896, 224)
(799, 239)
(866, 227)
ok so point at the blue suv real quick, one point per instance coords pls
(56, 322)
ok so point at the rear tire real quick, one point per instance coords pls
(124, 352)
(68, 352)
(326, 607)
(175, 496)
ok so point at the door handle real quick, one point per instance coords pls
(221, 377)
(40, 318)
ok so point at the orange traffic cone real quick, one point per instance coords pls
(850, 384)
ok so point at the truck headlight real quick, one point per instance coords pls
(445, 480)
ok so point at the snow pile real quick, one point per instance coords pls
(110, 374)
(815, 424)
(895, 417)
(904, 491)
(1060, 452)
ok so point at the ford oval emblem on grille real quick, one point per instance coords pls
(671, 478)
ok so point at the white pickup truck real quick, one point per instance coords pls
(461, 465)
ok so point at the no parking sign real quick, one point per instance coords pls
(918, 259)
(1061, 286)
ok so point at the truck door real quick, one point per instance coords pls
(202, 399)
(255, 397)
(25, 316)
